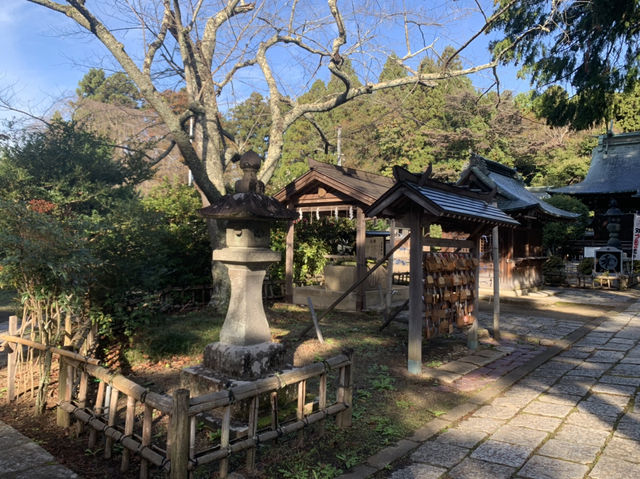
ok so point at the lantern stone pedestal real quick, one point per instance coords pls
(245, 351)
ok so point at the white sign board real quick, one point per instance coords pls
(636, 236)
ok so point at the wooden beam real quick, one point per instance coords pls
(415, 294)
(361, 259)
(448, 243)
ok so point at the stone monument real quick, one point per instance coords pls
(245, 350)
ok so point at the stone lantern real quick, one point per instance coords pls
(245, 350)
(614, 215)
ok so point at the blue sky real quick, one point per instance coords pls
(43, 60)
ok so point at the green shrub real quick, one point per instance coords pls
(585, 266)
(313, 241)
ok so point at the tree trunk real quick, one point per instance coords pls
(221, 287)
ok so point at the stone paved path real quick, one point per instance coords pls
(21, 458)
(575, 416)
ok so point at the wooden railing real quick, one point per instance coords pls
(173, 433)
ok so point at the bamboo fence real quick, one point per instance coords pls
(166, 432)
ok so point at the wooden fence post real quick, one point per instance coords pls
(111, 421)
(12, 360)
(302, 394)
(179, 432)
(345, 392)
(63, 419)
(252, 429)
(128, 431)
(224, 441)
(147, 422)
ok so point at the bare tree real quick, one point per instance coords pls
(214, 45)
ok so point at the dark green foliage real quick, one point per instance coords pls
(74, 227)
(589, 46)
(69, 167)
(553, 270)
(557, 235)
(627, 110)
(116, 89)
(250, 122)
(147, 246)
(585, 266)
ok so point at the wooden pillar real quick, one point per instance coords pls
(509, 275)
(288, 265)
(472, 334)
(415, 294)
(496, 284)
(361, 259)
(392, 243)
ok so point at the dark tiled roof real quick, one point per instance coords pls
(615, 167)
(440, 200)
(512, 195)
(367, 183)
(456, 204)
(363, 186)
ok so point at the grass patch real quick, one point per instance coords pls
(168, 336)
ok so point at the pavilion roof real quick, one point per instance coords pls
(512, 196)
(350, 185)
(615, 167)
(453, 205)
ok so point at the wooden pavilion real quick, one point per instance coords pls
(416, 201)
(520, 249)
(614, 174)
(330, 190)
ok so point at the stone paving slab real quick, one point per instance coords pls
(548, 409)
(614, 389)
(419, 471)
(613, 467)
(520, 436)
(581, 435)
(514, 455)
(474, 469)
(538, 423)
(439, 454)
(622, 448)
(628, 428)
(570, 451)
(497, 412)
(459, 367)
(611, 379)
(540, 467)
(483, 424)
(591, 421)
(461, 438)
